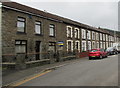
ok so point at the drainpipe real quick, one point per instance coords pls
(0, 44)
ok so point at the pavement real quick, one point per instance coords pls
(11, 76)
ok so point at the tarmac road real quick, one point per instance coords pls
(102, 72)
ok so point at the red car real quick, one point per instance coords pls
(98, 53)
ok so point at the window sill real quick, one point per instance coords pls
(39, 34)
(20, 53)
(69, 37)
(77, 38)
(21, 33)
(52, 36)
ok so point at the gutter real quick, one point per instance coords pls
(18, 10)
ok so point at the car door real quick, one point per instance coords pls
(102, 52)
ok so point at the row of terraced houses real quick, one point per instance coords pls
(28, 30)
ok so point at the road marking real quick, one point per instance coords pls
(31, 78)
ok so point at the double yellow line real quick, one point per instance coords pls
(30, 78)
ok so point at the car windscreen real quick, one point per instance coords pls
(93, 50)
(109, 49)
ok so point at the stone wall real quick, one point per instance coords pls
(9, 33)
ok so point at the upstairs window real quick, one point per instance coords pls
(106, 37)
(21, 24)
(76, 33)
(88, 35)
(100, 36)
(103, 37)
(109, 38)
(69, 31)
(51, 30)
(38, 28)
(93, 35)
(97, 36)
(83, 34)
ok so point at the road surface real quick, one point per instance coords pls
(102, 72)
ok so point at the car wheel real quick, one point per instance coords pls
(106, 56)
(114, 53)
(101, 56)
(90, 58)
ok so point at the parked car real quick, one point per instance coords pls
(117, 46)
(112, 50)
(98, 53)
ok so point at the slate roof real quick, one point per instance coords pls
(18, 6)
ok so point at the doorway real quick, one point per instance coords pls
(38, 49)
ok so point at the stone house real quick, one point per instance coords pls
(35, 33)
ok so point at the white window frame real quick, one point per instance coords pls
(83, 34)
(109, 38)
(97, 36)
(71, 44)
(19, 44)
(93, 47)
(101, 36)
(89, 44)
(38, 23)
(88, 34)
(101, 44)
(78, 45)
(97, 44)
(53, 30)
(106, 37)
(113, 38)
(84, 46)
(104, 45)
(21, 24)
(107, 45)
(78, 33)
(93, 35)
(71, 35)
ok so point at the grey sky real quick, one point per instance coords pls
(103, 14)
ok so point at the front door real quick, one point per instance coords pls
(38, 44)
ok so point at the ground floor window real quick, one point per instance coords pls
(52, 46)
(69, 45)
(104, 45)
(93, 45)
(20, 46)
(83, 46)
(89, 45)
(111, 44)
(97, 44)
(101, 45)
(77, 45)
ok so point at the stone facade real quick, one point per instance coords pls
(10, 34)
